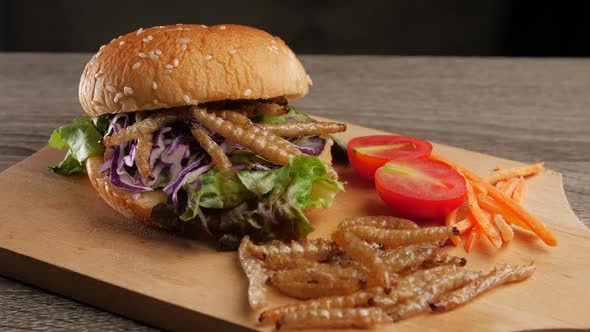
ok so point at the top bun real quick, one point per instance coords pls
(180, 65)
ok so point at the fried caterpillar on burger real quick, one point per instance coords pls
(190, 128)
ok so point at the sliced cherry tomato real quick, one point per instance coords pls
(420, 188)
(368, 153)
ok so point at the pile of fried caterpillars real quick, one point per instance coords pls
(375, 270)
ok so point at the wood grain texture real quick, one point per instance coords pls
(521, 109)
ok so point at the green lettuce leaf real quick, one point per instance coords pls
(82, 138)
(222, 190)
(270, 204)
(262, 182)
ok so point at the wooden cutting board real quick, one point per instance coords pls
(57, 234)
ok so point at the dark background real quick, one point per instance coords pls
(453, 27)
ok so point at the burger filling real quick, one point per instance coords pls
(229, 168)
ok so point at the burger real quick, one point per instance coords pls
(189, 128)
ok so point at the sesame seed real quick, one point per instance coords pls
(168, 71)
(121, 43)
(273, 41)
(309, 81)
(158, 52)
(155, 101)
(186, 98)
(175, 62)
(183, 47)
(272, 49)
(178, 23)
(187, 29)
(222, 27)
(111, 88)
(128, 91)
(142, 55)
(101, 47)
(154, 85)
(204, 26)
(97, 75)
(148, 38)
(112, 40)
(184, 40)
(139, 31)
(118, 97)
(232, 51)
(152, 56)
(247, 92)
(161, 27)
(135, 66)
(169, 66)
(208, 57)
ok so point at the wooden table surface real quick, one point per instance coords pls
(522, 109)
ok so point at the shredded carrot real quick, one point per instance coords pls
(491, 205)
(500, 184)
(505, 230)
(479, 187)
(519, 190)
(464, 225)
(509, 187)
(506, 203)
(507, 173)
(481, 219)
(471, 239)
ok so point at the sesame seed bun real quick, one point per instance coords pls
(139, 206)
(180, 65)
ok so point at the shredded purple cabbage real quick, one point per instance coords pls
(311, 145)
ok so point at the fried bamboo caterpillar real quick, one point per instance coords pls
(408, 257)
(388, 222)
(393, 238)
(147, 126)
(439, 259)
(235, 117)
(432, 291)
(217, 155)
(411, 286)
(281, 262)
(377, 272)
(309, 283)
(255, 273)
(493, 279)
(256, 139)
(144, 149)
(277, 254)
(297, 129)
(251, 110)
(268, 109)
(357, 299)
(333, 318)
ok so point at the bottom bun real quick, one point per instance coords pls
(139, 206)
(136, 206)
